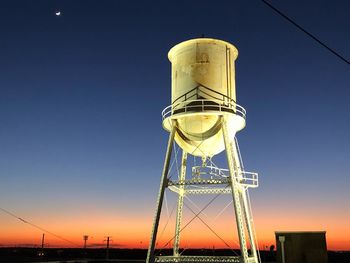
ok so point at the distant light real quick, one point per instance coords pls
(58, 13)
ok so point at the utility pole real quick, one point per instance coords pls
(108, 239)
(85, 237)
(42, 245)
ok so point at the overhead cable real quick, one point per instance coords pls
(36, 226)
(306, 32)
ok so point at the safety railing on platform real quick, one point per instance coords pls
(210, 175)
(202, 99)
(201, 105)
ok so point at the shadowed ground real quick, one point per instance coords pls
(70, 255)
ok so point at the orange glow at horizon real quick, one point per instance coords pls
(135, 232)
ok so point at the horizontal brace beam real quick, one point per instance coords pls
(208, 191)
(200, 182)
(194, 259)
(193, 191)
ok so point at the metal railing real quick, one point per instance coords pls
(204, 89)
(202, 99)
(217, 176)
(203, 105)
(247, 179)
(212, 171)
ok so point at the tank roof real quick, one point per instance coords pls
(202, 40)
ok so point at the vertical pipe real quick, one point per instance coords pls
(163, 183)
(180, 203)
(282, 239)
(228, 89)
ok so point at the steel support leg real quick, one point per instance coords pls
(163, 185)
(241, 203)
(180, 203)
(246, 205)
(236, 191)
(250, 225)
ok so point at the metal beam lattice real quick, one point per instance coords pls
(194, 259)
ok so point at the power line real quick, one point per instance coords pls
(36, 226)
(306, 32)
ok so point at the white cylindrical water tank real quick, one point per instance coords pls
(203, 62)
(203, 90)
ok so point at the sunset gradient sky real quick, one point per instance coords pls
(81, 142)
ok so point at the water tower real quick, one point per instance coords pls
(203, 119)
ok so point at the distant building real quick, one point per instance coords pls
(301, 247)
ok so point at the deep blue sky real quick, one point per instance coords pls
(81, 96)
